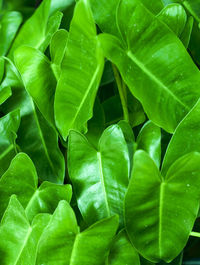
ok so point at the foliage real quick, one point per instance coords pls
(99, 132)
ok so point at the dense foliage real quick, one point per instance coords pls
(99, 132)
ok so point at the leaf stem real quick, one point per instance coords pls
(121, 88)
(196, 234)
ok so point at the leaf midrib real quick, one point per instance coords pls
(24, 244)
(154, 78)
(85, 96)
(161, 196)
(103, 182)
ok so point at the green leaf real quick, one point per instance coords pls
(36, 137)
(5, 93)
(83, 61)
(185, 138)
(149, 140)
(57, 49)
(175, 17)
(1, 68)
(96, 125)
(21, 179)
(141, 59)
(160, 212)
(99, 176)
(9, 125)
(36, 31)
(186, 34)
(57, 241)
(9, 24)
(38, 78)
(60, 5)
(122, 252)
(19, 239)
(46, 198)
(61, 242)
(130, 140)
(106, 17)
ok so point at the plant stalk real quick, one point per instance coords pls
(121, 88)
(196, 234)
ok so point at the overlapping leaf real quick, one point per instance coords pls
(99, 176)
(9, 125)
(82, 68)
(160, 211)
(21, 179)
(149, 55)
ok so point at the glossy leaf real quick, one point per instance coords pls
(38, 78)
(122, 252)
(57, 50)
(175, 17)
(5, 93)
(83, 61)
(35, 136)
(36, 31)
(106, 17)
(96, 125)
(185, 139)
(60, 5)
(10, 23)
(1, 68)
(130, 139)
(9, 125)
(186, 34)
(61, 242)
(19, 239)
(21, 179)
(143, 61)
(99, 176)
(160, 212)
(149, 140)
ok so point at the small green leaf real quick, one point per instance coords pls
(149, 140)
(175, 17)
(9, 125)
(61, 242)
(21, 179)
(19, 239)
(9, 24)
(122, 252)
(184, 139)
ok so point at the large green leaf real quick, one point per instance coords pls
(21, 179)
(61, 242)
(9, 125)
(9, 24)
(19, 239)
(185, 139)
(83, 62)
(99, 176)
(160, 212)
(106, 17)
(35, 135)
(150, 54)
(38, 29)
(122, 252)
(149, 140)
